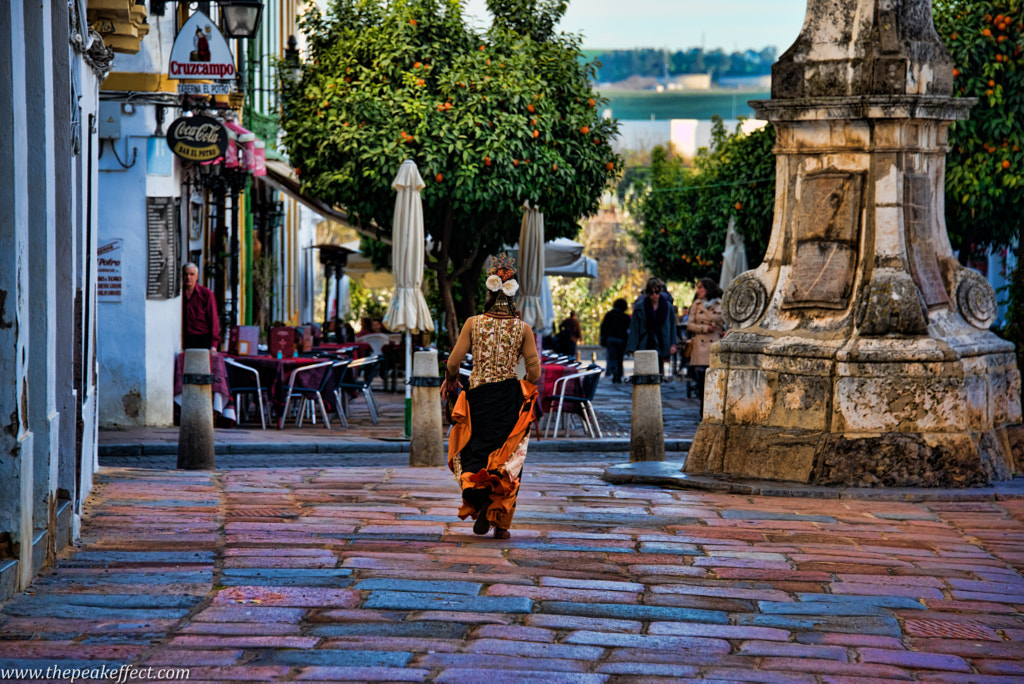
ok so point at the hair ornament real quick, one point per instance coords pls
(510, 287)
(493, 282)
(503, 266)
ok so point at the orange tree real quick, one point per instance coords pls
(683, 213)
(985, 166)
(492, 119)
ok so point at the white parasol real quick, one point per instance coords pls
(734, 258)
(408, 309)
(531, 267)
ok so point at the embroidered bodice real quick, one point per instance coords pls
(496, 347)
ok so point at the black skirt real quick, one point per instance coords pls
(493, 412)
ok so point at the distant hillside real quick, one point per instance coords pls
(618, 65)
(646, 104)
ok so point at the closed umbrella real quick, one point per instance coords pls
(408, 309)
(531, 267)
(734, 258)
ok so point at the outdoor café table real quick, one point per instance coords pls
(274, 374)
(223, 402)
(357, 349)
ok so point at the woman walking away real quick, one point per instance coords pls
(706, 323)
(487, 454)
(653, 325)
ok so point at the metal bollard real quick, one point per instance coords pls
(195, 436)
(426, 447)
(647, 437)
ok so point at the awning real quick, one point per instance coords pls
(584, 267)
(281, 176)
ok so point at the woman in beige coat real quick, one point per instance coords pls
(706, 324)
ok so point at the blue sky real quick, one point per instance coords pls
(678, 24)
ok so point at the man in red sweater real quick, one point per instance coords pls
(200, 328)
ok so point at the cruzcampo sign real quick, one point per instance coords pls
(200, 51)
(197, 138)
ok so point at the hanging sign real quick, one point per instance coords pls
(197, 138)
(108, 271)
(200, 51)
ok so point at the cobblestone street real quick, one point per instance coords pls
(366, 574)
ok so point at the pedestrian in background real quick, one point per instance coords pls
(200, 326)
(491, 420)
(614, 334)
(653, 325)
(707, 324)
(571, 332)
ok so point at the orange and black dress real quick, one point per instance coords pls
(487, 454)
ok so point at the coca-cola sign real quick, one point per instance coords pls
(197, 138)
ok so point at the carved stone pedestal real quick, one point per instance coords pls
(859, 351)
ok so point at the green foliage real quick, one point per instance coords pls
(683, 213)
(984, 184)
(366, 303)
(492, 120)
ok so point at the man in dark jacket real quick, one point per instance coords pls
(200, 328)
(614, 332)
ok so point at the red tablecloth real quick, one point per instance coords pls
(358, 349)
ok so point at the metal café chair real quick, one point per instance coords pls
(309, 397)
(245, 381)
(359, 376)
(338, 372)
(588, 381)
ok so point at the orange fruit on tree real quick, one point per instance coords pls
(1006, 163)
(554, 167)
(739, 206)
(535, 133)
(417, 65)
(481, 48)
(487, 161)
(530, 108)
(610, 165)
(956, 72)
(986, 33)
(515, 162)
(585, 130)
(591, 102)
(439, 177)
(991, 83)
(412, 21)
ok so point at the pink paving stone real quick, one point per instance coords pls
(585, 623)
(914, 659)
(355, 615)
(37, 625)
(497, 666)
(572, 534)
(187, 657)
(839, 639)
(590, 584)
(956, 629)
(514, 633)
(984, 596)
(288, 562)
(720, 631)
(722, 591)
(969, 606)
(212, 641)
(675, 672)
(735, 674)
(1000, 667)
(906, 580)
(774, 648)
(404, 528)
(312, 597)
(562, 594)
(242, 629)
(756, 574)
(277, 551)
(366, 674)
(239, 673)
(966, 648)
(68, 650)
(878, 670)
(668, 570)
(379, 643)
(739, 563)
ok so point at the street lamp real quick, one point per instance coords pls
(291, 67)
(241, 17)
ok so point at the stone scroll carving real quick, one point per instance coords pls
(744, 301)
(827, 220)
(976, 299)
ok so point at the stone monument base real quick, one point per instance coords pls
(886, 412)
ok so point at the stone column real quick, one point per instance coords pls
(195, 438)
(426, 447)
(859, 351)
(647, 436)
